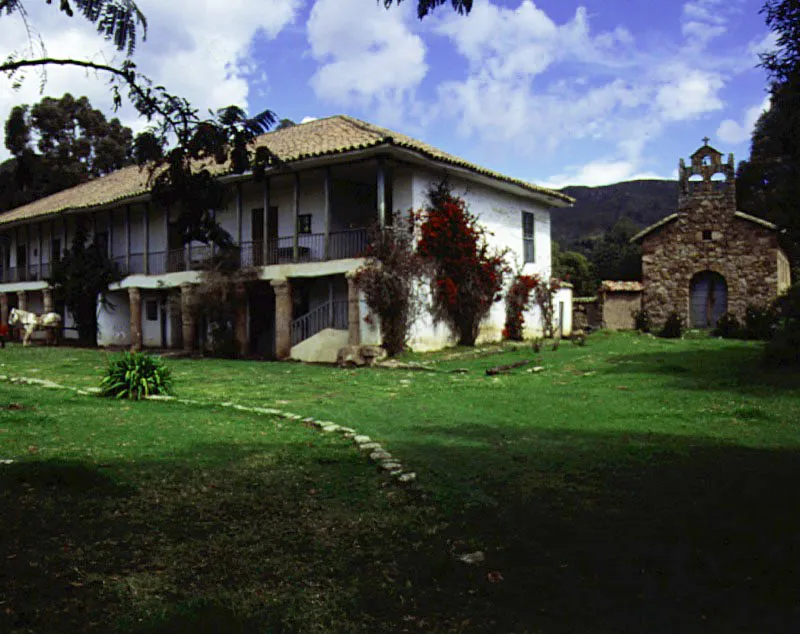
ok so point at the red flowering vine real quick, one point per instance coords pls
(467, 275)
(517, 302)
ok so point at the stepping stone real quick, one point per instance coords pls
(391, 465)
(369, 446)
(377, 456)
(361, 439)
(329, 428)
(406, 477)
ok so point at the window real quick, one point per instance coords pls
(706, 234)
(22, 256)
(151, 308)
(528, 234)
(55, 250)
(304, 223)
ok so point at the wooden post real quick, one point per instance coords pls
(22, 300)
(283, 318)
(296, 218)
(265, 246)
(239, 204)
(110, 227)
(326, 254)
(127, 240)
(146, 230)
(381, 183)
(39, 249)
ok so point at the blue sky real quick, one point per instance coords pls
(552, 91)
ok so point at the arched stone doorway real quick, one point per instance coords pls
(708, 294)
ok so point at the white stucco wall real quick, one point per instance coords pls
(501, 214)
(113, 324)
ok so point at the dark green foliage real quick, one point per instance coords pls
(783, 349)
(79, 278)
(728, 327)
(573, 267)
(135, 375)
(424, 7)
(641, 320)
(673, 327)
(74, 143)
(769, 182)
(598, 208)
(760, 322)
(614, 256)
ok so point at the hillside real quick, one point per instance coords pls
(599, 208)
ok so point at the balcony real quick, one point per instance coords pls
(311, 247)
(32, 273)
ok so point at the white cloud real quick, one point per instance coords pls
(534, 84)
(733, 132)
(601, 172)
(368, 56)
(688, 94)
(202, 54)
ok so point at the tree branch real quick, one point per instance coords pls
(127, 75)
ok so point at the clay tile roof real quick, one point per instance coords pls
(321, 137)
(620, 287)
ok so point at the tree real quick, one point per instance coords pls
(467, 275)
(390, 281)
(614, 257)
(575, 268)
(769, 182)
(81, 276)
(74, 143)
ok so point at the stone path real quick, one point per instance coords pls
(385, 461)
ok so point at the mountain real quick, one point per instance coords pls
(598, 208)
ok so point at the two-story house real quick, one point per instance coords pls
(303, 229)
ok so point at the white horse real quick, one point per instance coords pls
(31, 322)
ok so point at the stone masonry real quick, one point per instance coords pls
(708, 234)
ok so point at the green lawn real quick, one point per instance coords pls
(634, 484)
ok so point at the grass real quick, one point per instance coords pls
(634, 484)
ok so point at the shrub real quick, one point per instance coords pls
(783, 348)
(673, 327)
(760, 322)
(517, 301)
(641, 320)
(390, 281)
(467, 275)
(135, 375)
(728, 327)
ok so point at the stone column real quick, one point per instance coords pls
(47, 300)
(187, 319)
(4, 309)
(353, 311)
(240, 320)
(135, 299)
(283, 318)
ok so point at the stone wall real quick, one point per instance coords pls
(707, 236)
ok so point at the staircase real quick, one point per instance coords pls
(331, 314)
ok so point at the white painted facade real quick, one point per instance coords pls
(138, 238)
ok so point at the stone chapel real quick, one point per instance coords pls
(709, 258)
